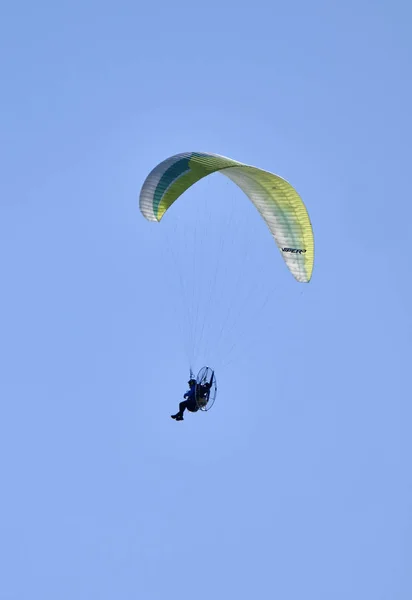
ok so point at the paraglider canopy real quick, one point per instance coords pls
(277, 201)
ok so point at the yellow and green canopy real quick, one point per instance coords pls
(277, 201)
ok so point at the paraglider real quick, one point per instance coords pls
(200, 395)
(189, 403)
(276, 200)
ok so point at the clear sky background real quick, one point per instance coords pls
(298, 483)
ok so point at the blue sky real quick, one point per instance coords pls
(298, 483)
